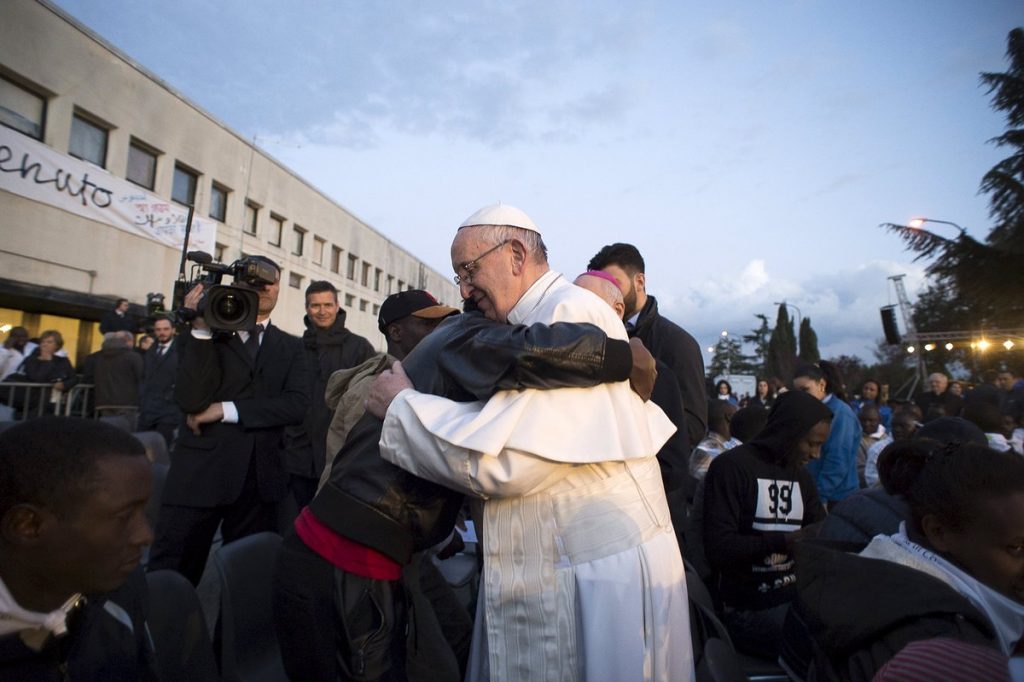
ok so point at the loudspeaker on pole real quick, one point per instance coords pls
(889, 326)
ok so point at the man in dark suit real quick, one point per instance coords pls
(117, 320)
(157, 409)
(667, 341)
(238, 391)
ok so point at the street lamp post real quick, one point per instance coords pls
(728, 355)
(916, 224)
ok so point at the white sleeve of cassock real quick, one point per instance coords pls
(406, 443)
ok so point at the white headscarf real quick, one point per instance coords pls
(34, 627)
(1005, 614)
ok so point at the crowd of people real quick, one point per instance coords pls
(566, 421)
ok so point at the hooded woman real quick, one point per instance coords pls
(954, 570)
(757, 498)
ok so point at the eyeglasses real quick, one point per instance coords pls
(471, 266)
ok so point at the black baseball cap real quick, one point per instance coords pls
(414, 302)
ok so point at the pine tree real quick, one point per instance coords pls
(760, 338)
(987, 276)
(781, 359)
(808, 342)
(728, 358)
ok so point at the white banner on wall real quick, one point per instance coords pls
(31, 169)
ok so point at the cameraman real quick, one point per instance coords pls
(238, 391)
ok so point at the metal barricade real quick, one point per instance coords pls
(21, 400)
(78, 401)
(25, 400)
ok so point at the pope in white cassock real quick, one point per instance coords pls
(583, 579)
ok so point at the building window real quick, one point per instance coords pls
(88, 141)
(376, 279)
(351, 272)
(141, 165)
(401, 287)
(391, 284)
(22, 109)
(366, 274)
(298, 240)
(335, 259)
(349, 300)
(251, 212)
(318, 250)
(218, 202)
(219, 252)
(294, 280)
(184, 189)
(276, 229)
(376, 309)
(363, 305)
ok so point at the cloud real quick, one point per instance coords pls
(843, 306)
(722, 39)
(495, 74)
(345, 72)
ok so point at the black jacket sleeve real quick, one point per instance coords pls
(491, 356)
(674, 456)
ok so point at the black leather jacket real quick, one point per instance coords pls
(468, 357)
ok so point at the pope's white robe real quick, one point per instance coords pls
(583, 579)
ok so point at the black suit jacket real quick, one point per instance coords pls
(270, 393)
(674, 456)
(112, 322)
(159, 374)
(673, 345)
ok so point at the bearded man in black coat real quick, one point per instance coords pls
(329, 346)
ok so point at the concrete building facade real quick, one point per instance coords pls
(71, 103)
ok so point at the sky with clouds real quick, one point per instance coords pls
(748, 149)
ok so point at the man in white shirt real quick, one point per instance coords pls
(238, 391)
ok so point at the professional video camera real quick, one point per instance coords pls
(224, 307)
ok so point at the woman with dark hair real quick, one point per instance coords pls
(955, 570)
(723, 390)
(871, 394)
(763, 395)
(757, 499)
(45, 366)
(835, 473)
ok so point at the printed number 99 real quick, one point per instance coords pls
(781, 499)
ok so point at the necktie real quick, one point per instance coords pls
(161, 350)
(252, 344)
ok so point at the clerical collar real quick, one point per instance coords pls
(533, 296)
